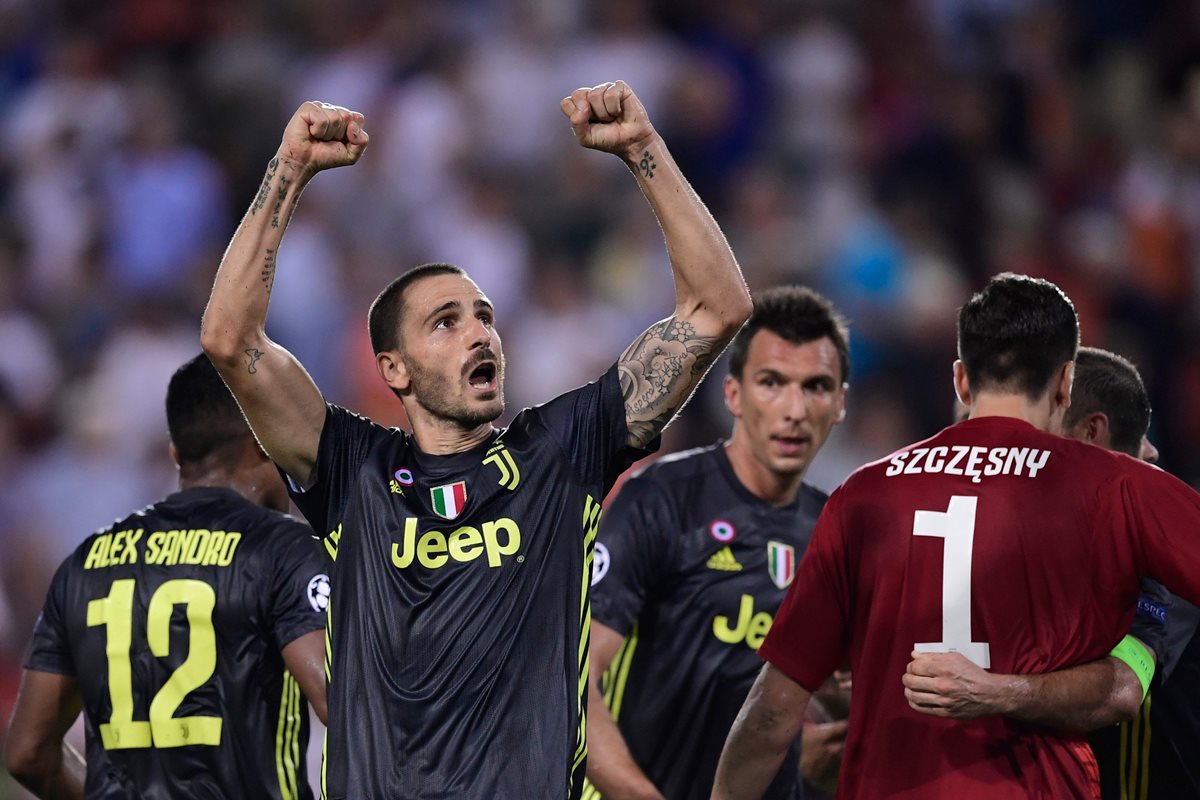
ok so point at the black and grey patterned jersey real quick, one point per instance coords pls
(1156, 756)
(172, 620)
(459, 616)
(691, 568)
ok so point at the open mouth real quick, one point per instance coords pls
(791, 445)
(483, 377)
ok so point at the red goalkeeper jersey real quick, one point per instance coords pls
(1019, 549)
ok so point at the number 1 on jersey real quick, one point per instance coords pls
(957, 526)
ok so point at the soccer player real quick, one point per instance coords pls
(185, 631)
(996, 539)
(695, 556)
(460, 614)
(1153, 756)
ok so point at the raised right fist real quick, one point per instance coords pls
(323, 136)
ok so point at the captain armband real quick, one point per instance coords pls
(1139, 658)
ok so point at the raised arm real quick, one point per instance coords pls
(765, 728)
(1081, 698)
(282, 404)
(35, 753)
(663, 365)
(610, 766)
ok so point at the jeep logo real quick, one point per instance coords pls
(434, 549)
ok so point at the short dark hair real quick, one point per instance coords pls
(1015, 333)
(383, 320)
(202, 414)
(1110, 384)
(798, 315)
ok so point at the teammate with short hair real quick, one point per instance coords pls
(1154, 755)
(696, 554)
(185, 631)
(995, 539)
(459, 617)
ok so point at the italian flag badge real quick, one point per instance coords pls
(781, 563)
(448, 500)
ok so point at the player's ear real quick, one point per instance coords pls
(393, 369)
(841, 403)
(732, 388)
(174, 454)
(962, 387)
(1066, 377)
(1094, 429)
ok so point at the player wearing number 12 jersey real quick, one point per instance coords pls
(995, 539)
(186, 631)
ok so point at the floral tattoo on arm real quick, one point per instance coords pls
(658, 373)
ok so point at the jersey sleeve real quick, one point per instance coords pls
(809, 636)
(346, 440)
(50, 648)
(589, 425)
(1158, 522)
(634, 553)
(299, 585)
(1150, 622)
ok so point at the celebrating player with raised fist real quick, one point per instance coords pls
(459, 615)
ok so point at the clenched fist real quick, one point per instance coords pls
(609, 117)
(323, 136)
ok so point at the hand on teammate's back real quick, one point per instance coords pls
(608, 117)
(321, 136)
(951, 685)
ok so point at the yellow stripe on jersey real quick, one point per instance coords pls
(590, 526)
(1144, 787)
(328, 684)
(287, 738)
(612, 689)
(1134, 754)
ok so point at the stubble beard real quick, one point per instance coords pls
(439, 394)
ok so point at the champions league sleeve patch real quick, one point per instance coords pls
(318, 593)
(600, 563)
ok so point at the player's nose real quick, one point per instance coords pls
(795, 403)
(1148, 452)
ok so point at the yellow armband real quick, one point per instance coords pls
(1139, 658)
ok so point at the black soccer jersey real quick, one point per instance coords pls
(1156, 756)
(172, 621)
(459, 616)
(691, 567)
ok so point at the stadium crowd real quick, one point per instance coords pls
(893, 155)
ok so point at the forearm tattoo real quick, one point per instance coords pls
(646, 165)
(268, 270)
(284, 182)
(255, 354)
(264, 189)
(658, 373)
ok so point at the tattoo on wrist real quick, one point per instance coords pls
(264, 189)
(268, 270)
(284, 183)
(255, 354)
(659, 371)
(647, 165)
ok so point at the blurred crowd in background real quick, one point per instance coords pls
(892, 153)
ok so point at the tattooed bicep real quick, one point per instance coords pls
(658, 373)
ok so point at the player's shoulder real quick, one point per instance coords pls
(810, 497)
(684, 466)
(563, 408)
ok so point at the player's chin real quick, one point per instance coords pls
(790, 464)
(486, 406)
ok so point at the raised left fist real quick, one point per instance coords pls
(609, 117)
